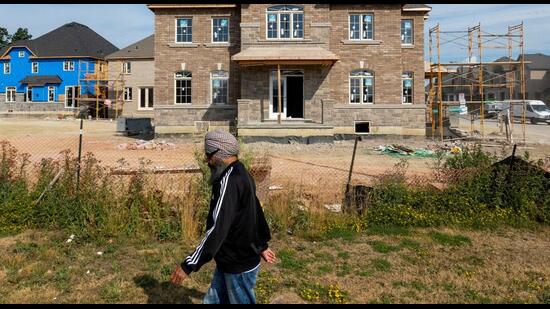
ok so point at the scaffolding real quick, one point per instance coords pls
(475, 75)
(94, 83)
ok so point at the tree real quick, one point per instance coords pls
(21, 34)
(4, 37)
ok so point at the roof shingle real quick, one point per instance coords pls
(70, 40)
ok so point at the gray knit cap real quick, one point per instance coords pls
(222, 140)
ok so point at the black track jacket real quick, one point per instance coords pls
(237, 231)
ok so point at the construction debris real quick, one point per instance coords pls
(400, 150)
(334, 207)
(147, 145)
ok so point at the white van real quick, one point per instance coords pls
(535, 110)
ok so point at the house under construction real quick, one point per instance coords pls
(474, 79)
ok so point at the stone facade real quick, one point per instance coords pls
(326, 88)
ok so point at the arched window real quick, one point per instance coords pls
(361, 86)
(219, 81)
(285, 22)
(182, 80)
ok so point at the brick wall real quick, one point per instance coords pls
(324, 25)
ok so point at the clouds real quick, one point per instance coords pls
(121, 24)
(494, 18)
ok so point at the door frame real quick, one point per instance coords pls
(75, 88)
(272, 78)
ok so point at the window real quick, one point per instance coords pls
(407, 31)
(21, 54)
(285, 22)
(361, 86)
(146, 98)
(127, 93)
(68, 65)
(407, 82)
(127, 67)
(28, 94)
(51, 94)
(10, 94)
(183, 87)
(220, 30)
(7, 68)
(184, 30)
(219, 82)
(361, 27)
(35, 67)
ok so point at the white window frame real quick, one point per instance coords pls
(128, 95)
(75, 96)
(175, 87)
(52, 89)
(361, 85)
(412, 32)
(33, 66)
(27, 97)
(7, 68)
(212, 27)
(68, 66)
(149, 105)
(226, 78)
(176, 29)
(291, 21)
(403, 78)
(21, 54)
(9, 90)
(127, 67)
(361, 18)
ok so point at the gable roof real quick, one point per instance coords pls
(70, 40)
(538, 61)
(144, 49)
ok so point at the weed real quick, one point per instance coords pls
(380, 265)
(382, 247)
(449, 240)
(409, 243)
(289, 261)
(111, 292)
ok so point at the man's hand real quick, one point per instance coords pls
(178, 275)
(269, 256)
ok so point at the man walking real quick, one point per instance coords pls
(237, 233)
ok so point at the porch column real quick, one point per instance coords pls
(279, 92)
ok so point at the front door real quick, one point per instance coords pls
(292, 94)
(295, 97)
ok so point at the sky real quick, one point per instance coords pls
(124, 24)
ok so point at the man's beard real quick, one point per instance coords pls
(216, 171)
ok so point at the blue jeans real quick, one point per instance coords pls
(232, 288)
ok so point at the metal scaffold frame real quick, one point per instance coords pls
(473, 75)
(98, 76)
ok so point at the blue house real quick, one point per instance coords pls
(54, 72)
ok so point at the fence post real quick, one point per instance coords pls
(79, 154)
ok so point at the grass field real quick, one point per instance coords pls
(391, 265)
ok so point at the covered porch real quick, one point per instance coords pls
(282, 91)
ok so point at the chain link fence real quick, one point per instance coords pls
(317, 170)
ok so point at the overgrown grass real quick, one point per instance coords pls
(478, 194)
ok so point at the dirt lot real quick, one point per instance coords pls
(319, 165)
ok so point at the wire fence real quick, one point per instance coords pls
(172, 162)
